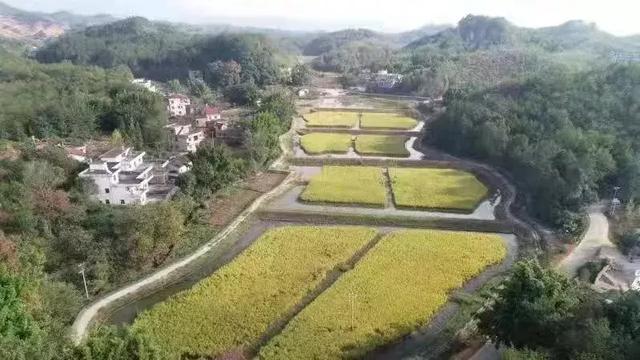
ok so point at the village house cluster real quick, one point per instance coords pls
(123, 176)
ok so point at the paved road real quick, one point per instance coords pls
(596, 236)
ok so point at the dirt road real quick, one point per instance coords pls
(596, 236)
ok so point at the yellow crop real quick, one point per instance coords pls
(439, 189)
(382, 145)
(339, 119)
(397, 287)
(234, 307)
(386, 121)
(361, 185)
(322, 143)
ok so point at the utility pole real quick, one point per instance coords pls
(84, 280)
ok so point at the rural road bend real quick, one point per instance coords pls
(83, 321)
(596, 236)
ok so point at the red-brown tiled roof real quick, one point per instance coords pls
(210, 110)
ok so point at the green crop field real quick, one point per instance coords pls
(234, 307)
(357, 185)
(382, 145)
(335, 119)
(322, 143)
(438, 189)
(387, 121)
(396, 288)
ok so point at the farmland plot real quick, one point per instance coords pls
(322, 143)
(436, 189)
(397, 287)
(336, 119)
(382, 145)
(387, 121)
(356, 185)
(234, 307)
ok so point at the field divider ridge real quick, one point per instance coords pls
(330, 278)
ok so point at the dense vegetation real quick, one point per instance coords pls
(544, 315)
(565, 138)
(164, 52)
(67, 101)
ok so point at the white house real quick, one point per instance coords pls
(178, 104)
(185, 137)
(303, 92)
(121, 177)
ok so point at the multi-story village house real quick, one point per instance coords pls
(184, 137)
(121, 177)
(179, 105)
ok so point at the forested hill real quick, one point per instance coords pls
(482, 32)
(567, 138)
(162, 51)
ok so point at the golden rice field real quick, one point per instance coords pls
(357, 185)
(337, 119)
(234, 307)
(323, 143)
(382, 145)
(387, 121)
(397, 287)
(439, 189)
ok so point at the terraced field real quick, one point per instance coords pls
(382, 145)
(347, 185)
(324, 143)
(397, 287)
(436, 189)
(387, 121)
(235, 306)
(337, 119)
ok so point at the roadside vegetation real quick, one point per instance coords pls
(378, 302)
(541, 314)
(439, 189)
(323, 143)
(347, 185)
(337, 119)
(382, 145)
(387, 121)
(234, 307)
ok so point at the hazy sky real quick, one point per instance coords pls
(616, 16)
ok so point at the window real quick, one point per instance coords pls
(195, 138)
(107, 202)
(121, 202)
(106, 190)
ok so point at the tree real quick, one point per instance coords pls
(15, 321)
(262, 138)
(151, 232)
(300, 75)
(242, 94)
(532, 309)
(119, 343)
(175, 86)
(224, 73)
(213, 168)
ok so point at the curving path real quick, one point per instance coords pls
(87, 315)
(596, 237)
